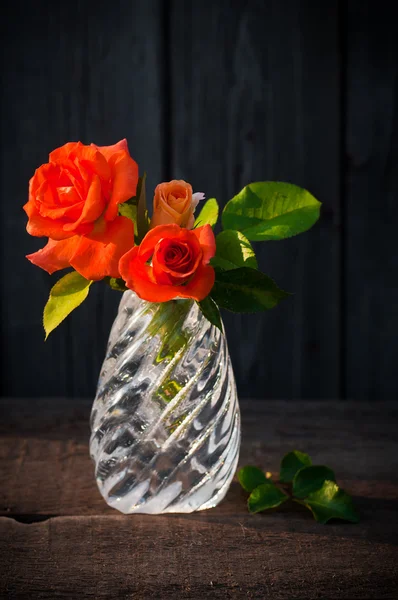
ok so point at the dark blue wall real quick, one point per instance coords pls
(220, 93)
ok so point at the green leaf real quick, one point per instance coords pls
(291, 463)
(166, 323)
(331, 502)
(117, 284)
(142, 213)
(129, 209)
(271, 210)
(209, 213)
(210, 310)
(245, 290)
(233, 251)
(66, 295)
(309, 479)
(265, 496)
(251, 477)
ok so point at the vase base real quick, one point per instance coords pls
(206, 494)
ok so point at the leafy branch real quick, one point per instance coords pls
(262, 211)
(313, 486)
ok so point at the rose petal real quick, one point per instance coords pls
(66, 211)
(97, 255)
(201, 283)
(135, 273)
(177, 203)
(138, 281)
(164, 274)
(55, 255)
(94, 161)
(93, 206)
(154, 235)
(207, 241)
(190, 222)
(142, 279)
(165, 215)
(44, 227)
(124, 174)
(108, 151)
(63, 152)
(124, 178)
(196, 198)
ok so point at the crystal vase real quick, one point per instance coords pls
(165, 423)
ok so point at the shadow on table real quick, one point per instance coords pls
(378, 522)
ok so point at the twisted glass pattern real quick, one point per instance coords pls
(165, 421)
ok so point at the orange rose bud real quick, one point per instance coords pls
(171, 262)
(173, 203)
(73, 200)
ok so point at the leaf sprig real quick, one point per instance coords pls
(313, 486)
(262, 211)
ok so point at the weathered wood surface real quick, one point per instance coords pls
(58, 539)
(371, 258)
(255, 98)
(220, 93)
(71, 71)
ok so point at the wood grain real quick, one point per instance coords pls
(192, 557)
(45, 443)
(371, 208)
(255, 97)
(72, 71)
(58, 539)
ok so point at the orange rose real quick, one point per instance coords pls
(174, 203)
(171, 262)
(73, 200)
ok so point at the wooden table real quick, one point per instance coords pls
(58, 539)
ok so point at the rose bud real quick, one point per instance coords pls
(174, 203)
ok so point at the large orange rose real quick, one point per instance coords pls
(171, 262)
(73, 200)
(174, 203)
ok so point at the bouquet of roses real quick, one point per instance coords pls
(90, 203)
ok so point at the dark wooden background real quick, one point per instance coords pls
(220, 93)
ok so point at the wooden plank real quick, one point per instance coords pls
(58, 539)
(44, 456)
(72, 72)
(371, 207)
(255, 96)
(192, 557)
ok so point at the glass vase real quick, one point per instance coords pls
(165, 423)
